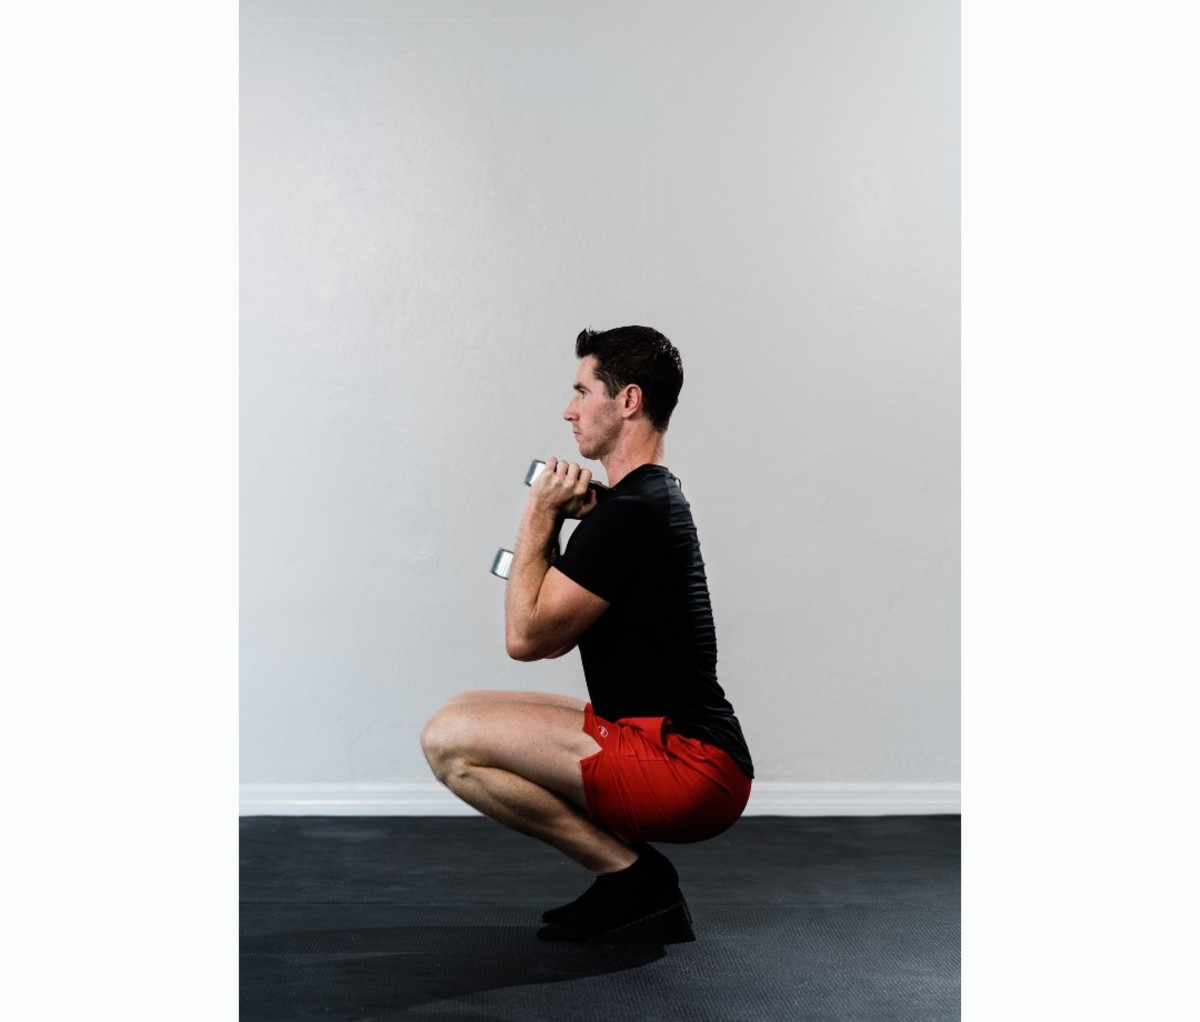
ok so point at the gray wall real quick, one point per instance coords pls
(436, 197)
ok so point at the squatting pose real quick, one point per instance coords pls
(657, 754)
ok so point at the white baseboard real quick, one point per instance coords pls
(767, 798)
(787, 798)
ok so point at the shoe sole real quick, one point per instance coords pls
(671, 925)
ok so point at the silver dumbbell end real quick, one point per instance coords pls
(501, 563)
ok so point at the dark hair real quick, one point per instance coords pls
(641, 355)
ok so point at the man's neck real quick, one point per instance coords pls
(646, 450)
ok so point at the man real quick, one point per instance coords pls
(658, 754)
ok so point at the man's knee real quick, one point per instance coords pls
(445, 740)
(435, 740)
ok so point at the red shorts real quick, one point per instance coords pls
(650, 784)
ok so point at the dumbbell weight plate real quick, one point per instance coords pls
(502, 563)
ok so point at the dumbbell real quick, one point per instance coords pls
(536, 468)
(502, 562)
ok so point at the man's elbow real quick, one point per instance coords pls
(521, 646)
(521, 649)
(526, 648)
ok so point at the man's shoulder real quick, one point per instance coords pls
(647, 483)
(643, 492)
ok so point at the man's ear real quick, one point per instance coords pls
(631, 400)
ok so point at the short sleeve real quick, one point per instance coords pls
(610, 547)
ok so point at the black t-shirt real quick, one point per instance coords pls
(653, 653)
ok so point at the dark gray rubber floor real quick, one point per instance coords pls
(847, 918)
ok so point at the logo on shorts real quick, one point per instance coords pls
(603, 731)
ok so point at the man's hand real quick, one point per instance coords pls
(562, 490)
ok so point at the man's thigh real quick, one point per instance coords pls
(505, 696)
(542, 743)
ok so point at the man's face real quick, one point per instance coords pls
(592, 413)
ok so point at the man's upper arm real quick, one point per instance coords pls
(563, 612)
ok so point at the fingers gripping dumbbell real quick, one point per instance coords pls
(502, 562)
(536, 468)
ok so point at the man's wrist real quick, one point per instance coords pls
(544, 518)
(537, 540)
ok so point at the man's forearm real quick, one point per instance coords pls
(533, 553)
